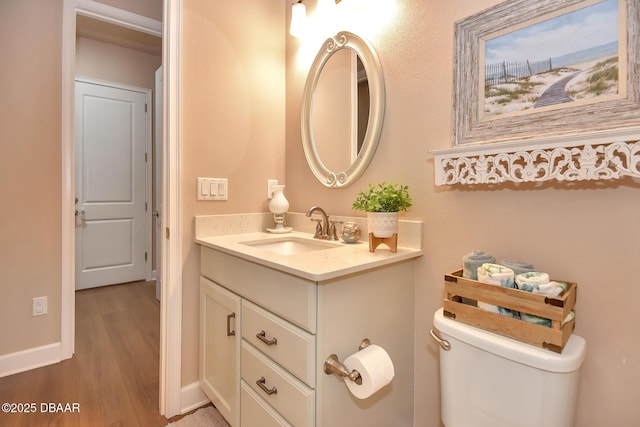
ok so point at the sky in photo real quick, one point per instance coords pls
(582, 29)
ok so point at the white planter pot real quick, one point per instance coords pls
(382, 224)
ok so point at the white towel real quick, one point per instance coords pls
(530, 281)
(538, 283)
(545, 322)
(530, 318)
(552, 289)
(498, 275)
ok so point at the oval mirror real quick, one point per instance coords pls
(342, 110)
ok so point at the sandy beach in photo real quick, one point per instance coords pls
(500, 99)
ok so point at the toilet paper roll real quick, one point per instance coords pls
(375, 367)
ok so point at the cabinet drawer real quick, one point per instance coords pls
(290, 397)
(289, 296)
(288, 345)
(255, 412)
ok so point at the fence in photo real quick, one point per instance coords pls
(512, 71)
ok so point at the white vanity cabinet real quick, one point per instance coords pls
(287, 325)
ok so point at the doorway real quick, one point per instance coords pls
(75, 11)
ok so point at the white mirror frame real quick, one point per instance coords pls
(344, 40)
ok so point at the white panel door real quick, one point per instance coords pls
(111, 132)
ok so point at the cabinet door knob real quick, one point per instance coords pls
(230, 333)
(262, 336)
(261, 383)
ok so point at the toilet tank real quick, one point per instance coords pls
(487, 380)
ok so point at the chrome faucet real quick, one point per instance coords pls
(322, 229)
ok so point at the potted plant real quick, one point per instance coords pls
(382, 203)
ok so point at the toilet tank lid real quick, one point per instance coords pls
(569, 360)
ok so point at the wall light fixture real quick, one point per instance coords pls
(298, 18)
(299, 14)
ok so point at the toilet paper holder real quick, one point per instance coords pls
(332, 365)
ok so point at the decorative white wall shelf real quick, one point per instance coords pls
(600, 155)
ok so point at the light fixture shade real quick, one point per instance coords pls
(298, 18)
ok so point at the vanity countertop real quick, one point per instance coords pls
(341, 260)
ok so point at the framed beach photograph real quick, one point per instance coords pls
(536, 69)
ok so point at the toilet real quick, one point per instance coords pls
(487, 380)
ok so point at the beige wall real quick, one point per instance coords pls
(232, 122)
(148, 8)
(113, 63)
(30, 167)
(333, 115)
(30, 176)
(584, 232)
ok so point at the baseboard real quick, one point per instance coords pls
(20, 361)
(192, 397)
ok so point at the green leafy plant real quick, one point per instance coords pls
(383, 197)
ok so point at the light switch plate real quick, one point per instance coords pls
(212, 189)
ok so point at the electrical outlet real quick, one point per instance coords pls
(39, 306)
(270, 184)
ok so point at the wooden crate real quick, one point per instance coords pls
(555, 308)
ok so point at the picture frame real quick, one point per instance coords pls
(471, 126)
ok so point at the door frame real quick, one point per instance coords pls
(171, 305)
(147, 163)
(157, 181)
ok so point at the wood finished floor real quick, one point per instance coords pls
(114, 372)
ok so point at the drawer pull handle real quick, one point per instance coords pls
(262, 336)
(261, 383)
(230, 333)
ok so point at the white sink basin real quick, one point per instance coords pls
(291, 245)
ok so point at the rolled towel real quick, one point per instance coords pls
(569, 317)
(518, 267)
(495, 274)
(552, 289)
(530, 318)
(498, 275)
(538, 283)
(545, 322)
(473, 260)
(531, 281)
